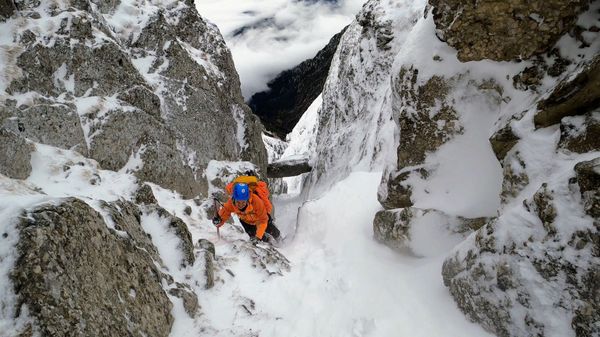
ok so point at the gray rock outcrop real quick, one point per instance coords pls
(504, 30)
(15, 155)
(78, 278)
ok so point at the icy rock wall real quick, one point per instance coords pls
(502, 149)
(119, 79)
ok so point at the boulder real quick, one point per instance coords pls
(578, 96)
(15, 155)
(504, 30)
(79, 278)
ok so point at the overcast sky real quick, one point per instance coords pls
(283, 33)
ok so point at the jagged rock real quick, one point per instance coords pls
(580, 134)
(293, 91)
(72, 270)
(576, 97)
(15, 155)
(190, 299)
(503, 31)
(207, 249)
(502, 141)
(144, 195)
(57, 125)
(588, 179)
(288, 168)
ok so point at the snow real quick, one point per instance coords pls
(342, 283)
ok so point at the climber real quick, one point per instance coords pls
(252, 213)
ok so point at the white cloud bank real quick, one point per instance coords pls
(281, 33)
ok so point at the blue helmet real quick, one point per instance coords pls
(241, 192)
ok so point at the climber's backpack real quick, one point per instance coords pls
(256, 186)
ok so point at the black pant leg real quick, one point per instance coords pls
(250, 229)
(272, 229)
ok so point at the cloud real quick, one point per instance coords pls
(268, 36)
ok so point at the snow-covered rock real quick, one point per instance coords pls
(476, 140)
(122, 79)
(72, 270)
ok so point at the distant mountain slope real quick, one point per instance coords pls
(292, 91)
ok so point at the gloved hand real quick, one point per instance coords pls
(216, 221)
(254, 240)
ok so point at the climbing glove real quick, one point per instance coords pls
(216, 220)
(254, 240)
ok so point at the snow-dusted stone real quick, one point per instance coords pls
(410, 229)
(189, 298)
(588, 179)
(144, 195)
(264, 257)
(533, 271)
(52, 124)
(575, 97)
(502, 141)
(391, 192)
(515, 176)
(72, 270)
(425, 117)
(207, 250)
(501, 30)
(15, 155)
(580, 134)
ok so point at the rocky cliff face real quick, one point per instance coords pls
(126, 79)
(500, 153)
(293, 91)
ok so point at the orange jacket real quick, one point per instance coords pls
(259, 187)
(254, 214)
